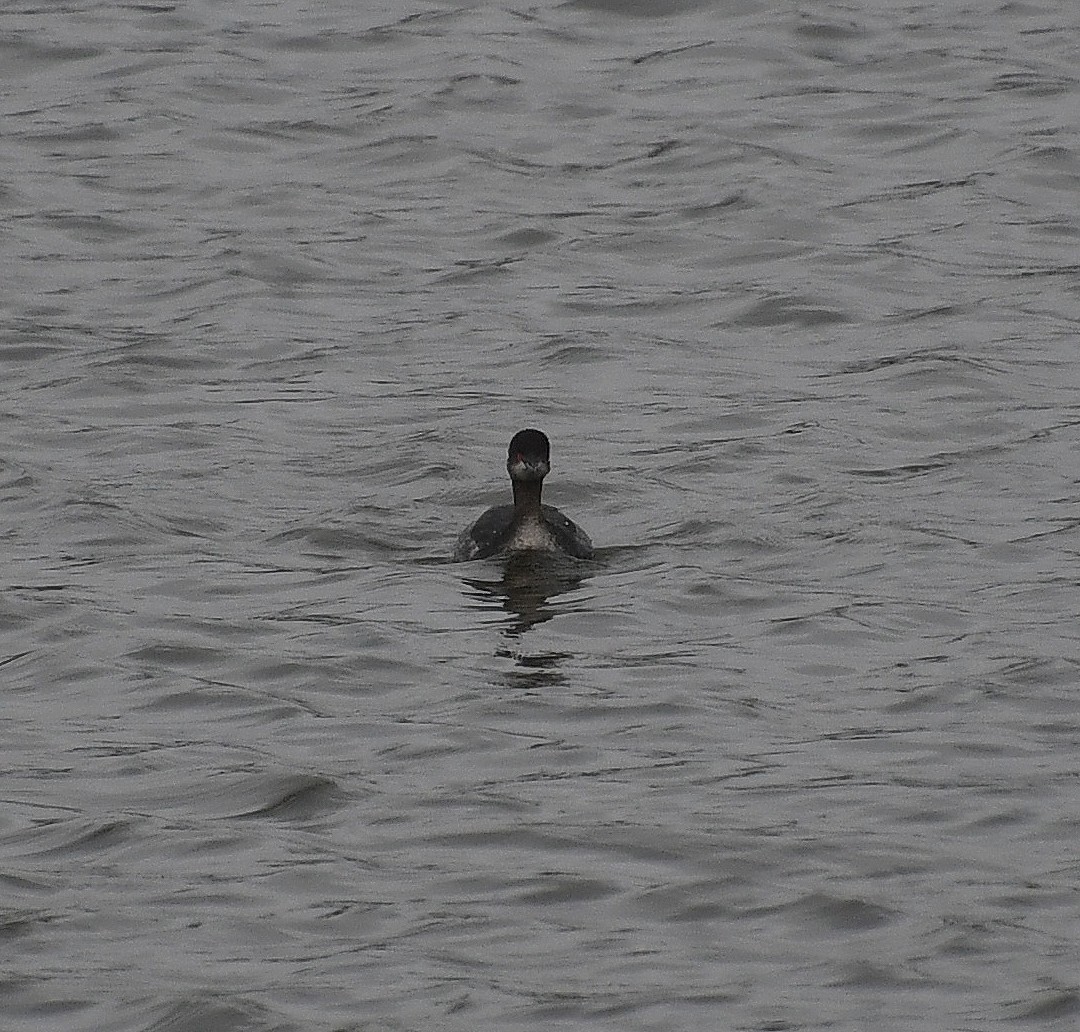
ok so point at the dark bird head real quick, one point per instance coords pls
(529, 456)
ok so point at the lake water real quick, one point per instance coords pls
(795, 291)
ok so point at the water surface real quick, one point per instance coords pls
(794, 291)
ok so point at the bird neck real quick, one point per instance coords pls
(527, 497)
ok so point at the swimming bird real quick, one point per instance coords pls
(527, 525)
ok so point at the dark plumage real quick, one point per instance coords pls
(527, 525)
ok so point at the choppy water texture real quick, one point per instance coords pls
(794, 289)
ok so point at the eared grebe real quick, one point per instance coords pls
(526, 525)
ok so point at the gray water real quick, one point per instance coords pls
(795, 291)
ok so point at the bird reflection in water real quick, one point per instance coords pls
(528, 583)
